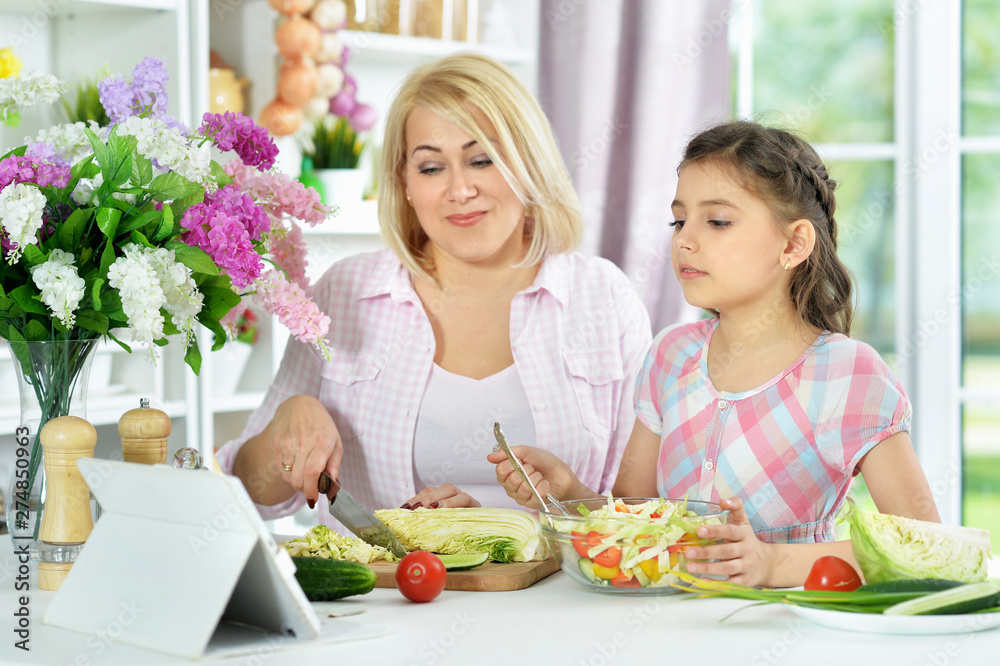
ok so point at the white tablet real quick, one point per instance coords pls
(180, 562)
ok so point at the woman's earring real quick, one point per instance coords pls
(788, 264)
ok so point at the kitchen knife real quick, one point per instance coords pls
(357, 518)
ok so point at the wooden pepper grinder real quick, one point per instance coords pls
(144, 434)
(66, 521)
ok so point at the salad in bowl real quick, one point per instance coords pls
(627, 544)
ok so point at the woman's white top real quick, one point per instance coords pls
(455, 431)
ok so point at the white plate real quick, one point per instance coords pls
(876, 623)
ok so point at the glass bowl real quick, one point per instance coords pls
(630, 546)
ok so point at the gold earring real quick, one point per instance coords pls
(409, 201)
(788, 264)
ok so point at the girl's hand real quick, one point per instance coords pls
(546, 471)
(743, 557)
(304, 441)
(435, 497)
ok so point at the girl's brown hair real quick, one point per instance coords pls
(786, 173)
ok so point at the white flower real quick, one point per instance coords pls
(69, 141)
(157, 141)
(182, 298)
(27, 90)
(21, 207)
(61, 285)
(135, 278)
(83, 193)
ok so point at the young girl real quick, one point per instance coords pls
(768, 403)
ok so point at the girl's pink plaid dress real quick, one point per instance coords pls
(788, 448)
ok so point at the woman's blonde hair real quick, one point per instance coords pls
(524, 150)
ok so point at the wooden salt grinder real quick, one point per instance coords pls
(144, 434)
(67, 519)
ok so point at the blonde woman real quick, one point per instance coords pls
(478, 312)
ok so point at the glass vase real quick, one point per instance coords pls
(52, 379)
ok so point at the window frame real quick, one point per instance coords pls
(926, 152)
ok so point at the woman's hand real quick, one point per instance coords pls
(435, 497)
(549, 474)
(299, 443)
(743, 557)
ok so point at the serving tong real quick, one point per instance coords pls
(502, 446)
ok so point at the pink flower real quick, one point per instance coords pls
(288, 249)
(294, 309)
(234, 131)
(279, 194)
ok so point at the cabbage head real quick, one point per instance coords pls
(889, 548)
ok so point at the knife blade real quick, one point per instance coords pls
(357, 518)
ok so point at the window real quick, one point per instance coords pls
(902, 100)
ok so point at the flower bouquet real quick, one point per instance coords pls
(133, 232)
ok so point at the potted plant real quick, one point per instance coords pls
(331, 151)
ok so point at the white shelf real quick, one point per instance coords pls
(83, 6)
(357, 219)
(378, 46)
(237, 402)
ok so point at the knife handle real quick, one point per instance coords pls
(327, 484)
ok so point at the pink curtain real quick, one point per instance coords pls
(626, 84)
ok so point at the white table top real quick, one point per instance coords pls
(555, 621)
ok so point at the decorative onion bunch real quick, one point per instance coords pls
(313, 81)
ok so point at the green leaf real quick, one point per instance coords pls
(17, 152)
(33, 256)
(193, 257)
(100, 150)
(171, 186)
(139, 221)
(139, 238)
(166, 228)
(28, 300)
(119, 170)
(181, 205)
(35, 331)
(107, 221)
(70, 232)
(220, 333)
(92, 320)
(112, 302)
(219, 175)
(107, 257)
(193, 357)
(95, 293)
(120, 343)
(142, 170)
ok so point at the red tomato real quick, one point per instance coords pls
(623, 580)
(833, 574)
(580, 544)
(420, 576)
(609, 558)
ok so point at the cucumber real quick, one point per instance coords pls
(927, 585)
(587, 569)
(967, 598)
(323, 579)
(463, 561)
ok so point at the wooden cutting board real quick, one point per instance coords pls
(489, 577)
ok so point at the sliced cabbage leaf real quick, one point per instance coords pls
(507, 535)
(890, 547)
(321, 541)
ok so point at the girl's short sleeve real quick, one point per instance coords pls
(873, 405)
(654, 375)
